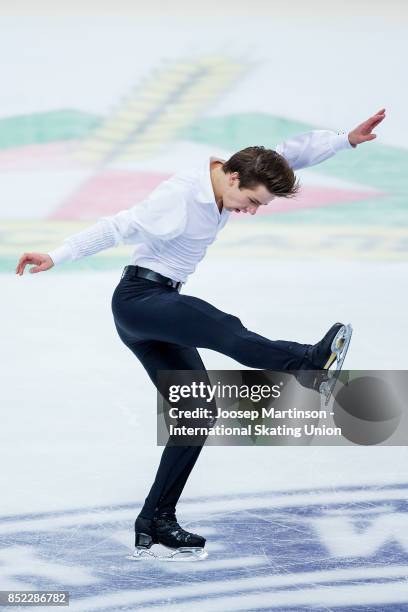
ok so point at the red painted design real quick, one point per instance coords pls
(108, 193)
(315, 197)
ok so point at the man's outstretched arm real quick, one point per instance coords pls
(314, 147)
(161, 216)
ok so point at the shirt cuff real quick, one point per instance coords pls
(341, 141)
(61, 254)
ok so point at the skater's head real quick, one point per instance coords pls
(254, 177)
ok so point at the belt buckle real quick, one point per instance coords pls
(174, 284)
(170, 283)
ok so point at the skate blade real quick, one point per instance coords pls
(339, 348)
(341, 342)
(142, 554)
(185, 553)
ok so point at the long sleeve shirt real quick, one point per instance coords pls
(173, 227)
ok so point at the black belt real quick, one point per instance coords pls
(133, 271)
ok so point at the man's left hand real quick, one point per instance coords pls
(363, 132)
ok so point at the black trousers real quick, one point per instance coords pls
(163, 328)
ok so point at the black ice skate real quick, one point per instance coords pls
(330, 351)
(165, 530)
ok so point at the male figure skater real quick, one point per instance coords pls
(171, 231)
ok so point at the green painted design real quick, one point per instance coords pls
(388, 211)
(372, 164)
(41, 128)
(235, 132)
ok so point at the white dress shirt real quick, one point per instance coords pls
(173, 227)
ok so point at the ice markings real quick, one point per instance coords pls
(361, 537)
(328, 547)
(25, 562)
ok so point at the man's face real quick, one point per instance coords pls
(244, 200)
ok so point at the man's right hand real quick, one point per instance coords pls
(40, 261)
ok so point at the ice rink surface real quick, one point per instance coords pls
(287, 528)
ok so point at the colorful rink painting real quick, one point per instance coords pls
(64, 168)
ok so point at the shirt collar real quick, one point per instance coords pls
(205, 192)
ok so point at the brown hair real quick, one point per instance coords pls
(257, 165)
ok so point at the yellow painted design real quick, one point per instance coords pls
(153, 114)
(239, 237)
(299, 241)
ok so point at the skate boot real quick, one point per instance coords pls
(145, 537)
(186, 546)
(331, 350)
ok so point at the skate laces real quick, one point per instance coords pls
(172, 525)
(168, 523)
(179, 533)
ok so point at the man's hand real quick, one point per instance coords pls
(363, 132)
(41, 262)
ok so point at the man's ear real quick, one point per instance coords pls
(233, 177)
